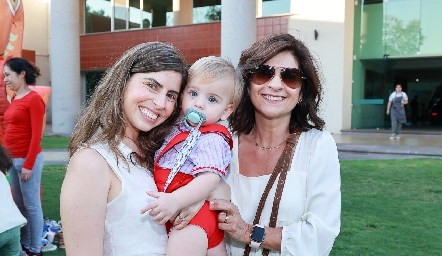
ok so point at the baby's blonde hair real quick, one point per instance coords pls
(212, 68)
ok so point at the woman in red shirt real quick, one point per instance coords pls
(24, 122)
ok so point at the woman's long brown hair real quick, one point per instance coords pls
(103, 118)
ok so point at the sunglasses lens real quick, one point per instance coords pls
(292, 77)
(263, 74)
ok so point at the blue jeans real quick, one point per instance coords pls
(27, 198)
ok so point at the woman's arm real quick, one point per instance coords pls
(388, 107)
(83, 201)
(319, 226)
(230, 221)
(36, 117)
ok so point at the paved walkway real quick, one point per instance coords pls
(361, 145)
(351, 145)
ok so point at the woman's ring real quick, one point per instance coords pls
(226, 219)
(181, 218)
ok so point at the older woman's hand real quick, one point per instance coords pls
(183, 218)
(229, 220)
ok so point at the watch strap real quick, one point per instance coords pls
(255, 245)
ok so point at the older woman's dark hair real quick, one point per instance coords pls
(19, 64)
(305, 115)
(5, 160)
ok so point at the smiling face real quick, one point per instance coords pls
(213, 99)
(13, 80)
(149, 99)
(398, 88)
(274, 99)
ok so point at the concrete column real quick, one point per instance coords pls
(65, 65)
(258, 8)
(182, 12)
(238, 27)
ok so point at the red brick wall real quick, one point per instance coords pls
(101, 50)
(29, 55)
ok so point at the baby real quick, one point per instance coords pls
(195, 156)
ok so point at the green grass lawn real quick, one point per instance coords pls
(389, 207)
(52, 178)
(55, 142)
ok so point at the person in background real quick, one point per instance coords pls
(24, 122)
(11, 218)
(212, 93)
(396, 109)
(112, 151)
(279, 134)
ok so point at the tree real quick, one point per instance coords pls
(213, 13)
(402, 39)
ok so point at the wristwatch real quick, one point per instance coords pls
(257, 236)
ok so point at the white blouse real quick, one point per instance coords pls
(127, 232)
(310, 206)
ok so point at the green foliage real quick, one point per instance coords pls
(402, 39)
(214, 13)
(55, 142)
(99, 12)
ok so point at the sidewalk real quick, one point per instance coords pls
(377, 145)
(351, 145)
(56, 156)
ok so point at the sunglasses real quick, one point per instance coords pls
(292, 77)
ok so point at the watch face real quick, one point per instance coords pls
(257, 234)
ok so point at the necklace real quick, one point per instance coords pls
(269, 148)
(130, 139)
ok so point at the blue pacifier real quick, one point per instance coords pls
(194, 116)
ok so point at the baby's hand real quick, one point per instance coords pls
(162, 209)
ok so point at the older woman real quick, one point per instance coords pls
(281, 145)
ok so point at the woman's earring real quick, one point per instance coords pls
(299, 101)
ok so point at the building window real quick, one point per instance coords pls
(206, 11)
(135, 14)
(374, 85)
(120, 14)
(274, 7)
(98, 16)
(147, 14)
(101, 16)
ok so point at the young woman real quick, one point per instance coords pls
(112, 149)
(24, 121)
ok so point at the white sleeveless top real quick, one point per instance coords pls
(127, 231)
